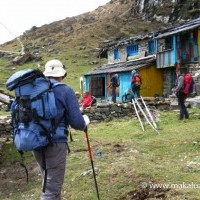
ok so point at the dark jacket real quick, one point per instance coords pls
(114, 80)
(68, 109)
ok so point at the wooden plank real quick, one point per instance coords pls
(5, 98)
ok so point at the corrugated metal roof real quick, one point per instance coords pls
(124, 66)
(179, 28)
(184, 26)
(127, 41)
(133, 39)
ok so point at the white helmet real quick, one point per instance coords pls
(54, 68)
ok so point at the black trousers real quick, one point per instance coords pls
(181, 103)
(136, 90)
(114, 94)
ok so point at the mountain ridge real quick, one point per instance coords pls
(115, 20)
(123, 13)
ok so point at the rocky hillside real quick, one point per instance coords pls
(75, 40)
(119, 18)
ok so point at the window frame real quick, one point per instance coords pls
(132, 50)
(151, 47)
(116, 54)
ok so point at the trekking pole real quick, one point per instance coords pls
(146, 116)
(91, 159)
(138, 116)
(150, 115)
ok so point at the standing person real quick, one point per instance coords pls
(179, 91)
(68, 114)
(114, 83)
(136, 81)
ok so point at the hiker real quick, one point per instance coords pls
(136, 82)
(179, 91)
(114, 83)
(70, 114)
(87, 100)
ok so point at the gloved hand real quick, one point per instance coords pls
(86, 119)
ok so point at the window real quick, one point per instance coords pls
(116, 54)
(132, 50)
(151, 46)
(97, 86)
(168, 43)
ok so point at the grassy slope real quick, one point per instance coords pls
(130, 159)
(159, 158)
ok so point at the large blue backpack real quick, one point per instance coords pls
(33, 110)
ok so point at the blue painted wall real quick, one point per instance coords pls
(188, 47)
(167, 58)
(185, 49)
(125, 83)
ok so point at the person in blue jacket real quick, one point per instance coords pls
(70, 115)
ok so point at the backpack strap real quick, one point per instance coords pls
(23, 165)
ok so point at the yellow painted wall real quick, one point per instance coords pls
(152, 81)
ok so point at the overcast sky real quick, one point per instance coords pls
(17, 16)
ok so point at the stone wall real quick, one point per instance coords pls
(194, 69)
(103, 111)
(167, 81)
(106, 111)
(5, 126)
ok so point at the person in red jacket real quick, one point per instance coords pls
(87, 100)
(136, 82)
